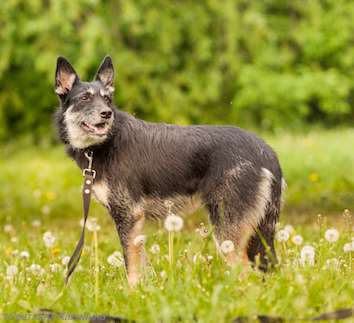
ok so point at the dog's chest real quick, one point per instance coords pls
(101, 192)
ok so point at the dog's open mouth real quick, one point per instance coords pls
(99, 129)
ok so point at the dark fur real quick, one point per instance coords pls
(158, 160)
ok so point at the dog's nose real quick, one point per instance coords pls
(106, 114)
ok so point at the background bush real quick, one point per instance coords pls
(270, 64)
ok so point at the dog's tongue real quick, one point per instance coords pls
(99, 129)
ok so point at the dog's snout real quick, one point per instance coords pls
(106, 114)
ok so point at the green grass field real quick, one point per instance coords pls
(43, 184)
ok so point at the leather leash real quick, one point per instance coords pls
(89, 175)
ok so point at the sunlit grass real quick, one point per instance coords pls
(40, 192)
(198, 285)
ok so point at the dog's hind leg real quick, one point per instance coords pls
(240, 211)
(262, 241)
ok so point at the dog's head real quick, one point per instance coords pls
(86, 106)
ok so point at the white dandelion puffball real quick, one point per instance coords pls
(203, 231)
(14, 239)
(297, 240)
(139, 240)
(155, 249)
(49, 239)
(307, 255)
(65, 260)
(289, 228)
(332, 263)
(45, 209)
(283, 235)
(55, 268)
(348, 247)
(8, 228)
(93, 226)
(36, 269)
(173, 223)
(11, 271)
(331, 235)
(36, 223)
(24, 254)
(227, 246)
(116, 259)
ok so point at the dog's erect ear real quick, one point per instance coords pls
(105, 73)
(65, 77)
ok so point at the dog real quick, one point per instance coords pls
(140, 165)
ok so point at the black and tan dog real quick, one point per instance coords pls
(140, 165)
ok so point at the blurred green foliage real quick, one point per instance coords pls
(269, 64)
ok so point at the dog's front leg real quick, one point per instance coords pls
(129, 227)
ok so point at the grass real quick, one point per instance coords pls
(41, 183)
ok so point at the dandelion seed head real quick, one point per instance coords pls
(14, 239)
(92, 225)
(348, 247)
(36, 223)
(65, 260)
(116, 259)
(282, 235)
(36, 269)
(307, 255)
(24, 254)
(49, 239)
(297, 240)
(332, 263)
(8, 228)
(45, 209)
(168, 203)
(227, 246)
(331, 235)
(37, 194)
(204, 232)
(55, 268)
(155, 249)
(173, 223)
(41, 289)
(289, 228)
(11, 271)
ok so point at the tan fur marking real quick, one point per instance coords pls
(101, 192)
(135, 253)
(257, 212)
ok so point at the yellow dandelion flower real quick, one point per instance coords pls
(8, 251)
(56, 251)
(51, 195)
(313, 177)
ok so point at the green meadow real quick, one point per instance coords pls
(40, 192)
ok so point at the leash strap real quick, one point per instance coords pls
(89, 176)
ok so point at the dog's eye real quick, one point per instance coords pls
(84, 97)
(107, 98)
